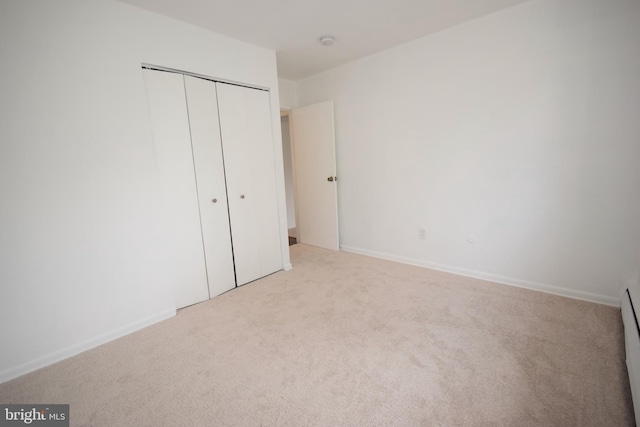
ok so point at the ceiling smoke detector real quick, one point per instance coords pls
(327, 40)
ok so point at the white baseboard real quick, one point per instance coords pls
(288, 267)
(550, 289)
(78, 348)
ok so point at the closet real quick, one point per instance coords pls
(215, 161)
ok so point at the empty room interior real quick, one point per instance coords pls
(329, 213)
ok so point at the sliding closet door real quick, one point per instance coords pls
(212, 193)
(245, 123)
(170, 127)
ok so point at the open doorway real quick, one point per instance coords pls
(287, 157)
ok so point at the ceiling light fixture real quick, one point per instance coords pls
(327, 40)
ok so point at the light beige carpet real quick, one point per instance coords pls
(346, 340)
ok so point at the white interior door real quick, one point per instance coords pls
(316, 192)
(247, 141)
(212, 193)
(170, 127)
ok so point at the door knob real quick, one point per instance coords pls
(215, 200)
(242, 196)
(330, 179)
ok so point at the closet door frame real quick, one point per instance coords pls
(281, 252)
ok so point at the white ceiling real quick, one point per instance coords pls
(292, 27)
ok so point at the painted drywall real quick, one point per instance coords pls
(512, 140)
(287, 92)
(83, 255)
(288, 172)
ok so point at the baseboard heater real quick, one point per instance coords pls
(630, 310)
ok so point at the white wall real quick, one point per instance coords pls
(288, 172)
(520, 130)
(287, 94)
(82, 250)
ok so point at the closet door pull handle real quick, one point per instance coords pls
(242, 196)
(215, 200)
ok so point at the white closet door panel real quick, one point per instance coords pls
(249, 162)
(237, 154)
(263, 166)
(170, 127)
(207, 157)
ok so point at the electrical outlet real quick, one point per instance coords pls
(422, 235)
